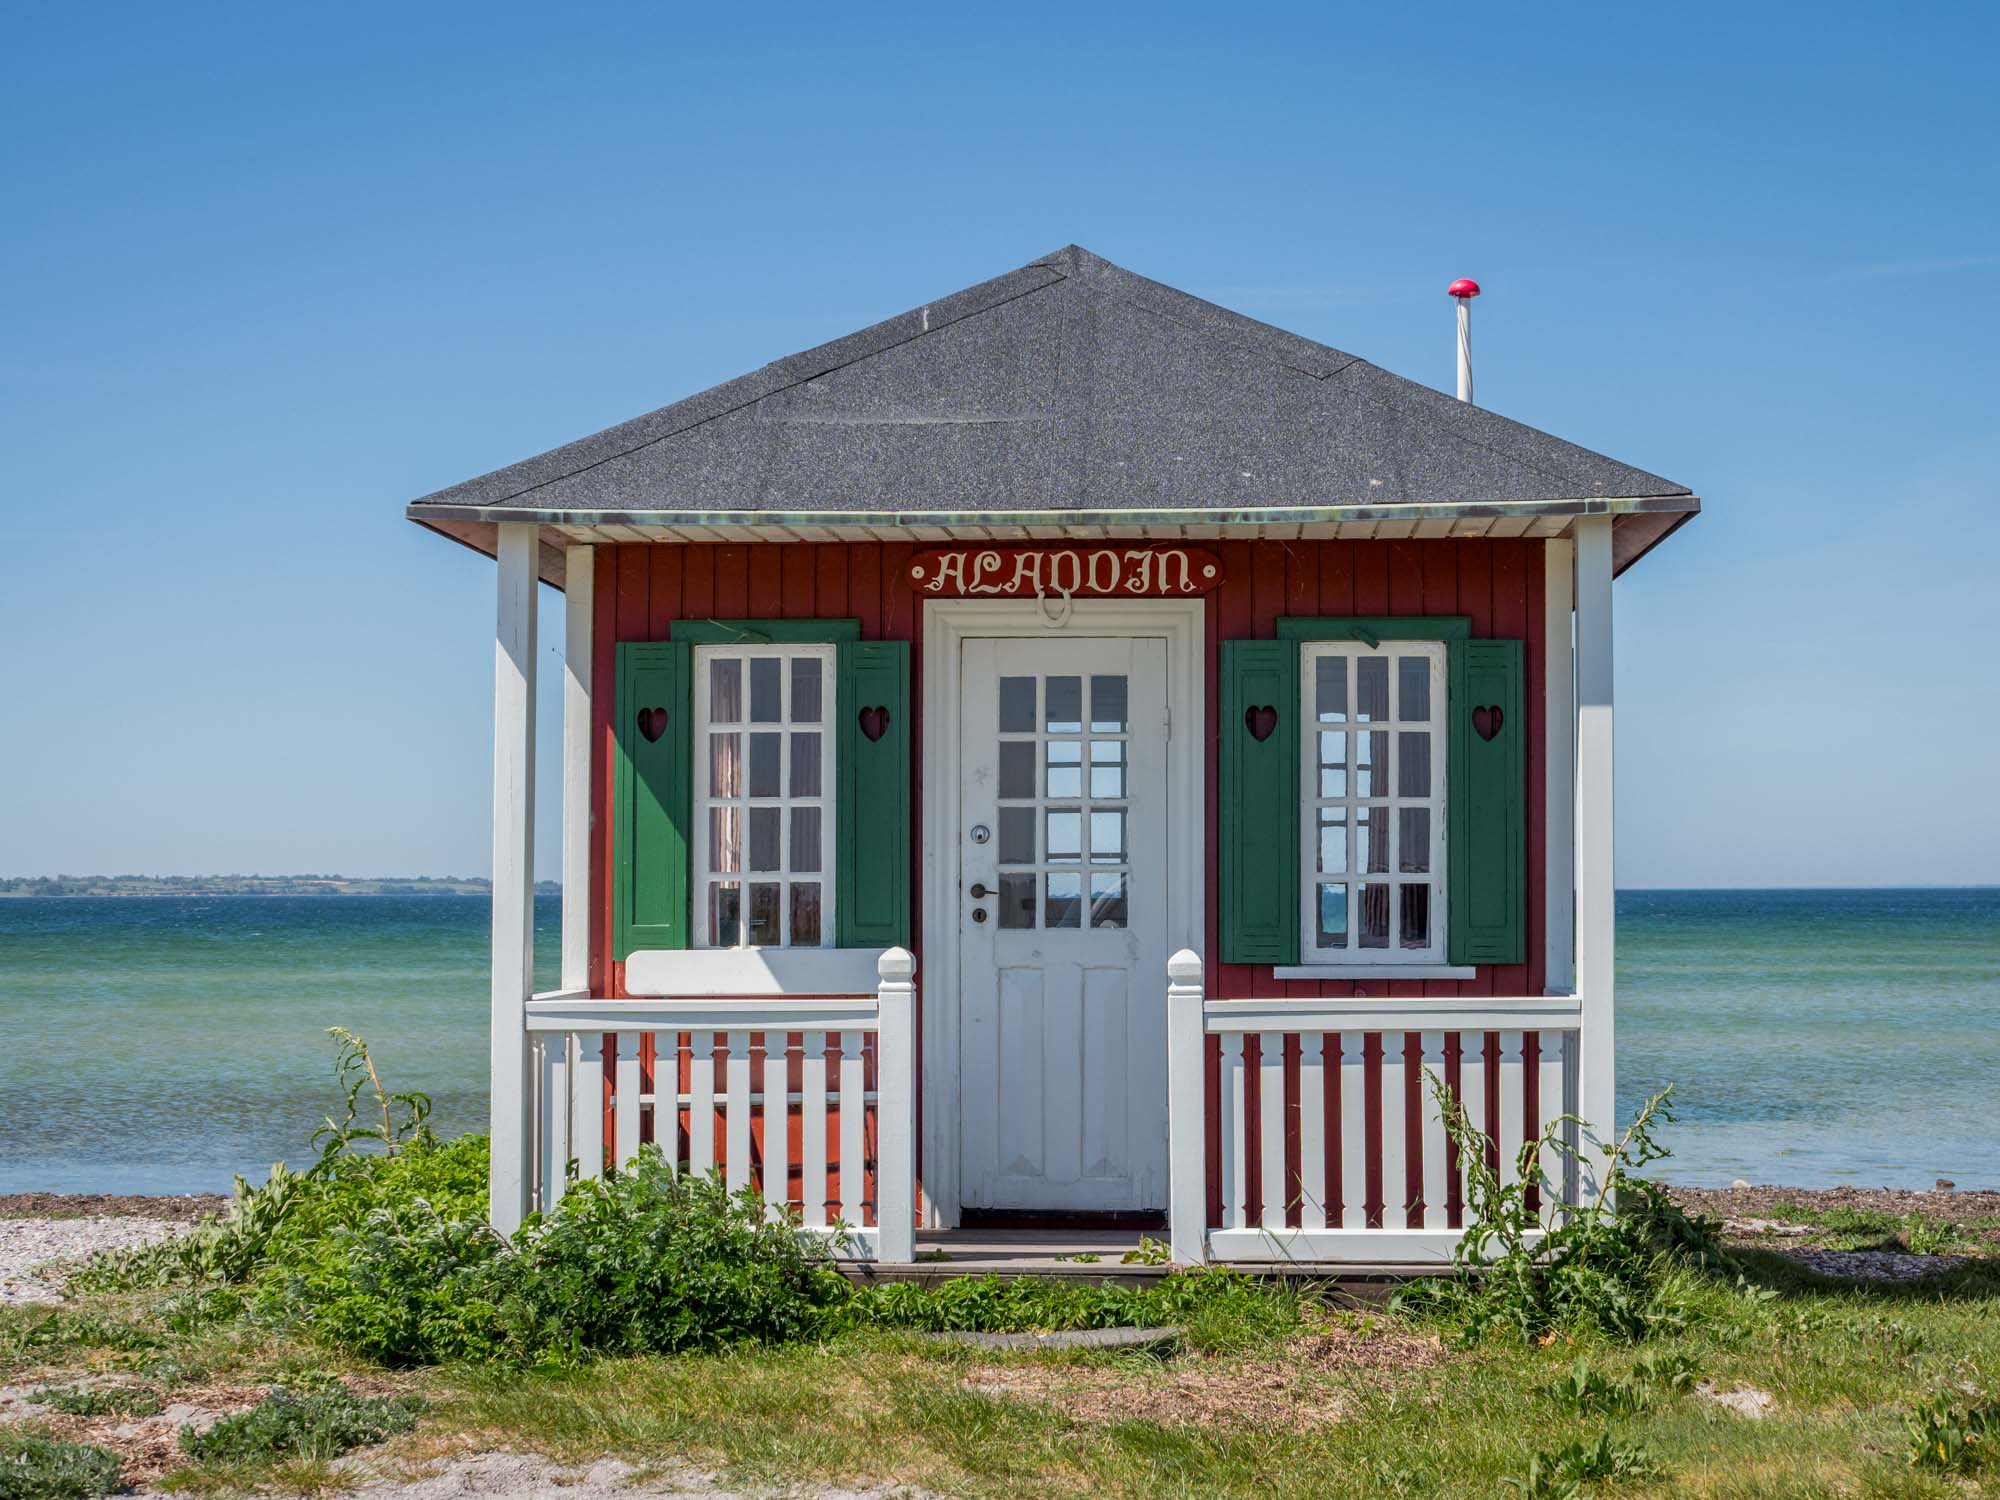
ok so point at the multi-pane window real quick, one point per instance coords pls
(1065, 785)
(1374, 804)
(763, 796)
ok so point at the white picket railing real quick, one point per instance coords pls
(1319, 1158)
(811, 1102)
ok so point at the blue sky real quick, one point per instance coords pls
(272, 271)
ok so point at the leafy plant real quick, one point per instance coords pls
(1593, 1393)
(39, 1468)
(1923, 1236)
(315, 1423)
(355, 1068)
(1150, 1252)
(1957, 1439)
(98, 1400)
(1560, 1472)
(1599, 1266)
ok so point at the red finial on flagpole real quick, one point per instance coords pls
(1462, 291)
(1465, 286)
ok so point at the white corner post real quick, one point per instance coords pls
(896, 1107)
(1559, 765)
(579, 585)
(1187, 1102)
(1596, 885)
(513, 872)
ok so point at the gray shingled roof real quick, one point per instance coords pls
(1068, 385)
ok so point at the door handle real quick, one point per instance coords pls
(978, 892)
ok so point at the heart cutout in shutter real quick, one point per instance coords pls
(652, 724)
(1486, 721)
(1260, 721)
(875, 722)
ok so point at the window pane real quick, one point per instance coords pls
(766, 678)
(1332, 763)
(1413, 763)
(1413, 853)
(1374, 920)
(725, 900)
(1065, 704)
(724, 834)
(725, 691)
(764, 837)
(763, 928)
(1107, 836)
(1333, 841)
(1017, 705)
(805, 840)
(1371, 840)
(1017, 835)
(1017, 768)
(1107, 900)
(725, 765)
(1065, 835)
(1107, 705)
(1017, 900)
(1107, 768)
(1330, 689)
(764, 765)
(1332, 926)
(1065, 900)
(1065, 769)
(805, 690)
(1416, 916)
(805, 914)
(805, 763)
(1371, 689)
(1371, 763)
(1413, 688)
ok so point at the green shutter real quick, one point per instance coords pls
(872, 861)
(1487, 811)
(1258, 813)
(649, 832)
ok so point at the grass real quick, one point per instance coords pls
(1848, 1368)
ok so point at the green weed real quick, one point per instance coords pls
(39, 1468)
(98, 1400)
(312, 1424)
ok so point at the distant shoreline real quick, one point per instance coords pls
(69, 886)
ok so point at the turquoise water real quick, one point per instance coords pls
(164, 1044)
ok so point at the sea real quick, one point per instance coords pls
(167, 1044)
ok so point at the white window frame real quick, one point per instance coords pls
(1326, 960)
(700, 855)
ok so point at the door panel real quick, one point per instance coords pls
(1062, 827)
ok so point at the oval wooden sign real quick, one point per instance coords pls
(1065, 572)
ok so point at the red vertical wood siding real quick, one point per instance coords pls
(643, 589)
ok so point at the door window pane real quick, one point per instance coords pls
(1413, 763)
(725, 906)
(1064, 898)
(1332, 763)
(763, 929)
(1107, 768)
(725, 769)
(1017, 835)
(1017, 705)
(805, 764)
(1413, 689)
(1371, 689)
(1107, 836)
(1416, 915)
(1333, 841)
(1107, 704)
(1413, 839)
(1017, 900)
(1065, 835)
(724, 834)
(805, 841)
(1371, 763)
(1371, 840)
(805, 914)
(1107, 899)
(766, 676)
(1374, 924)
(1065, 704)
(1065, 769)
(1017, 768)
(1330, 689)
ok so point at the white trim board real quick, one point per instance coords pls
(751, 971)
(947, 624)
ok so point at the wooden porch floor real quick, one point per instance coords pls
(1086, 1255)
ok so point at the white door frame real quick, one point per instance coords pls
(947, 623)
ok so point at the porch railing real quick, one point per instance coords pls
(1305, 1130)
(810, 1102)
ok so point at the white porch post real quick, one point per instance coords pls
(896, 1107)
(1559, 769)
(1187, 1108)
(578, 596)
(513, 871)
(1595, 874)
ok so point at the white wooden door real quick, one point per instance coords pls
(1062, 891)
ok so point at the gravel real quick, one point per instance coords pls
(37, 1255)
